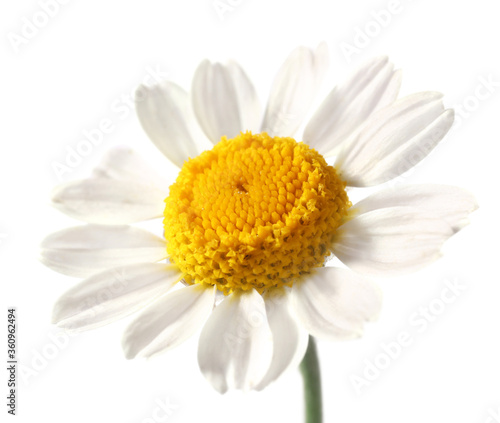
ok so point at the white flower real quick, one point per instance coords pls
(234, 224)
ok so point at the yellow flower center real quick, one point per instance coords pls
(253, 212)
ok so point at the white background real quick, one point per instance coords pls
(85, 63)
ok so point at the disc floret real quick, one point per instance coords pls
(253, 212)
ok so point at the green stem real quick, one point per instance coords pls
(312, 384)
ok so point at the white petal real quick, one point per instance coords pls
(236, 347)
(109, 201)
(248, 101)
(391, 241)
(84, 250)
(334, 303)
(165, 113)
(446, 202)
(293, 90)
(394, 139)
(289, 338)
(371, 87)
(169, 321)
(224, 100)
(124, 164)
(113, 294)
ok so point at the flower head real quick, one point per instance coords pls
(250, 223)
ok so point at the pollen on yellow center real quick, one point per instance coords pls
(253, 212)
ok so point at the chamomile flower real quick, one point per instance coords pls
(250, 223)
